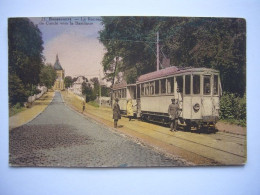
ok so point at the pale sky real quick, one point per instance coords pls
(75, 40)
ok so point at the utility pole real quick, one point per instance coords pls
(158, 50)
(113, 81)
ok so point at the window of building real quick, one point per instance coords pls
(196, 84)
(157, 87)
(215, 86)
(163, 86)
(206, 85)
(170, 85)
(179, 80)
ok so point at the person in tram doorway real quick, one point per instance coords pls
(173, 115)
(116, 112)
(83, 105)
(129, 109)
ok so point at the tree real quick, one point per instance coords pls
(68, 81)
(96, 84)
(88, 92)
(25, 47)
(47, 75)
(24, 59)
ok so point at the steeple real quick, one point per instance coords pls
(57, 65)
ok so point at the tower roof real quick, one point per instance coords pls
(57, 65)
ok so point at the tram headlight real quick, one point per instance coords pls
(196, 107)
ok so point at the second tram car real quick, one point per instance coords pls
(196, 90)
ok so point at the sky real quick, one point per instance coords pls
(75, 40)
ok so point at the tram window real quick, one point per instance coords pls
(196, 84)
(123, 93)
(138, 91)
(142, 89)
(180, 84)
(163, 86)
(146, 88)
(187, 84)
(151, 88)
(157, 87)
(134, 92)
(170, 85)
(206, 85)
(215, 86)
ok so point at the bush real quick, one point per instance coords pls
(18, 107)
(93, 103)
(17, 91)
(233, 108)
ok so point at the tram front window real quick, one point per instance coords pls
(206, 85)
(196, 84)
(187, 84)
(215, 86)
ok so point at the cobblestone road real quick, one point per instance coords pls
(60, 137)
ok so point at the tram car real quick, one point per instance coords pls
(125, 92)
(196, 90)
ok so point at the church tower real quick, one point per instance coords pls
(59, 83)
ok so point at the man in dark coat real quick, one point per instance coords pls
(116, 112)
(173, 115)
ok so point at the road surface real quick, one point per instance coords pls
(61, 137)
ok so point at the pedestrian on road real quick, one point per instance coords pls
(173, 115)
(116, 112)
(83, 105)
(129, 109)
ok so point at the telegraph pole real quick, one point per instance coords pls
(158, 51)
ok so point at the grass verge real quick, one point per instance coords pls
(16, 109)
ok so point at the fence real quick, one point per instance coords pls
(34, 97)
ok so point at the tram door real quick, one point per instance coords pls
(179, 93)
(132, 96)
(138, 101)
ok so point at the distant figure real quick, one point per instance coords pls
(173, 115)
(83, 105)
(116, 112)
(129, 109)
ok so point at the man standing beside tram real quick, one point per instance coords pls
(173, 114)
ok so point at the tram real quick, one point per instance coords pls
(196, 90)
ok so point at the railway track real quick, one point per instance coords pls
(221, 147)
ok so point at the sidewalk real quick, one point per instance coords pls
(160, 138)
(29, 114)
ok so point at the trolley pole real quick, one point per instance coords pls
(158, 51)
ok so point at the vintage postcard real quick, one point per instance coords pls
(127, 91)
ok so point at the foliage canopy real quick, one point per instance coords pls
(218, 43)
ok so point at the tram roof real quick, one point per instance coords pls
(120, 85)
(170, 71)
